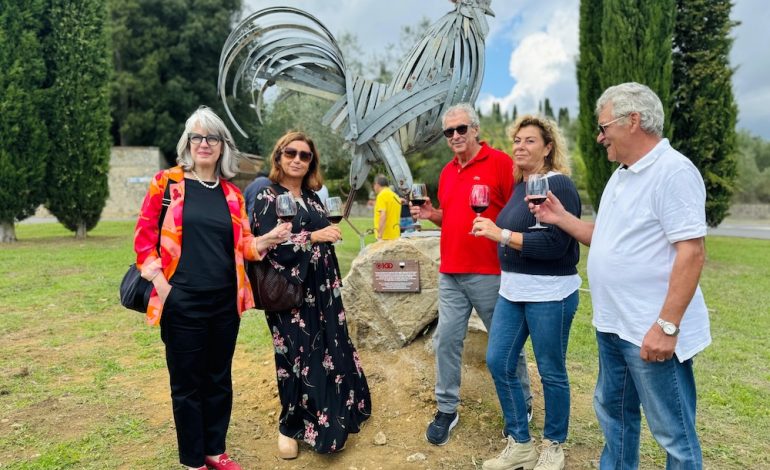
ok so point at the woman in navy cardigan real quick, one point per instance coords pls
(538, 297)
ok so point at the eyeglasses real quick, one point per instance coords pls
(211, 140)
(292, 154)
(603, 127)
(461, 129)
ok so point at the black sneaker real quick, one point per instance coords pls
(438, 431)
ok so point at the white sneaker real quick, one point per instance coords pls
(551, 456)
(515, 456)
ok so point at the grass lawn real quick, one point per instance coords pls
(73, 362)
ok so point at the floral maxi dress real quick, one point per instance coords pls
(323, 391)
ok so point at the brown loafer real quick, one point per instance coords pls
(287, 447)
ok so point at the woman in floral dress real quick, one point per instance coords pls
(322, 387)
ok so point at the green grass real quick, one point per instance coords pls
(71, 357)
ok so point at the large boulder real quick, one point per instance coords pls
(390, 320)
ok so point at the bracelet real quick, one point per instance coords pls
(156, 275)
(505, 237)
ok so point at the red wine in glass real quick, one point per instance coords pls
(537, 191)
(335, 219)
(418, 201)
(285, 209)
(479, 199)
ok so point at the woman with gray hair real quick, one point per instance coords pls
(200, 286)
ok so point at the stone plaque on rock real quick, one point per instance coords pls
(396, 276)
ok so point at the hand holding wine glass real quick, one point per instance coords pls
(537, 192)
(479, 199)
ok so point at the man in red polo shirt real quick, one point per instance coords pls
(469, 273)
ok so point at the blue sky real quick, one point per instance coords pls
(532, 46)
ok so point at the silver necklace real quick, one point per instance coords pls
(205, 185)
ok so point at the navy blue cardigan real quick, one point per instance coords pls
(547, 251)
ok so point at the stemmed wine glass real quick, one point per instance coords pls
(285, 209)
(537, 192)
(479, 199)
(334, 210)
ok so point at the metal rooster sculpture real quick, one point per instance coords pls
(291, 49)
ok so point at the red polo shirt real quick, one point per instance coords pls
(461, 252)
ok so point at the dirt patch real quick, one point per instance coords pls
(401, 383)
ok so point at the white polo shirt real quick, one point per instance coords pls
(644, 210)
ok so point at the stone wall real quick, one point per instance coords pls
(131, 170)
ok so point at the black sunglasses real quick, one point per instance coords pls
(461, 129)
(292, 154)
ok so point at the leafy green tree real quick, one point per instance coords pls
(79, 104)
(752, 184)
(23, 132)
(166, 58)
(589, 89)
(704, 109)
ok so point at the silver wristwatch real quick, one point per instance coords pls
(668, 328)
(505, 237)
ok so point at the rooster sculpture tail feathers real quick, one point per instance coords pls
(286, 47)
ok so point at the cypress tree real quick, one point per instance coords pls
(589, 72)
(635, 40)
(636, 46)
(23, 135)
(705, 113)
(80, 113)
(548, 110)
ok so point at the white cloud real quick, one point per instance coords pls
(543, 65)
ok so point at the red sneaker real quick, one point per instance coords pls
(222, 463)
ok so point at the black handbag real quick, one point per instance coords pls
(272, 290)
(135, 290)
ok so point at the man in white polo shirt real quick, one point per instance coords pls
(645, 260)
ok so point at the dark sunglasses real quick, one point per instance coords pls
(292, 154)
(461, 129)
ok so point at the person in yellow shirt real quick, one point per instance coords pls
(387, 210)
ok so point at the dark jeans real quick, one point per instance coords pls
(199, 329)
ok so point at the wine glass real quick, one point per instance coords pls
(479, 199)
(419, 194)
(285, 209)
(537, 192)
(334, 210)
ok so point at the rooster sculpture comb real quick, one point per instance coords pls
(289, 48)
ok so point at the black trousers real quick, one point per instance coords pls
(199, 329)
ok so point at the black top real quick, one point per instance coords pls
(547, 251)
(208, 252)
